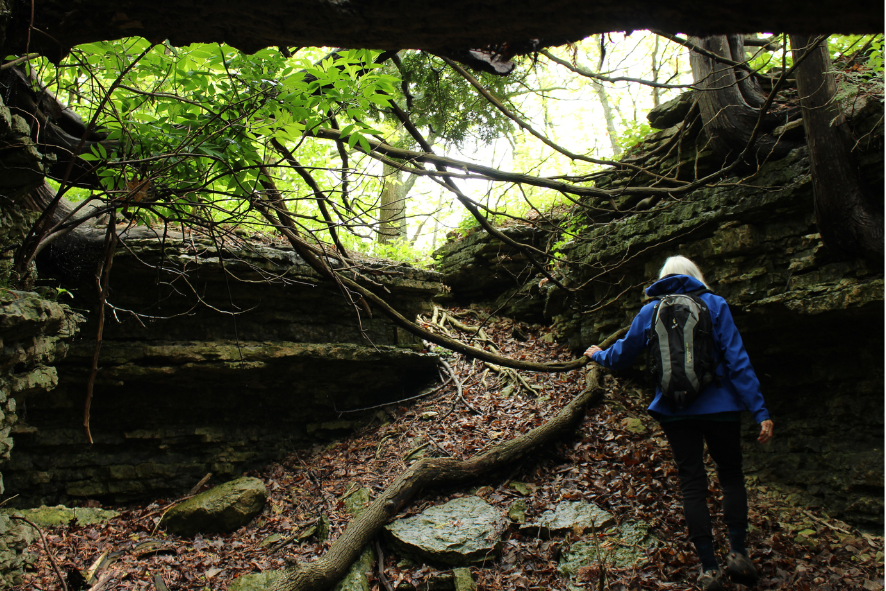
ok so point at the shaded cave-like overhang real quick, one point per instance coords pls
(442, 27)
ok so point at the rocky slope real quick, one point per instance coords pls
(811, 321)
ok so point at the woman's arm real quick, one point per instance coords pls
(625, 350)
(737, 363)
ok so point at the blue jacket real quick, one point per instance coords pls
(739, 388)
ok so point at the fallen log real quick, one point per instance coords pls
(432, 473)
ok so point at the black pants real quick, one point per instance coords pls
(687, 438)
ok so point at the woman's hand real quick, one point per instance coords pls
(765, 431)
(592, 350)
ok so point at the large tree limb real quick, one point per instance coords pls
(731, 104)
(494, 101)
(471, 205)
(424, 474)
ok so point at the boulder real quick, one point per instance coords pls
(569, 516)
(218, 510)
(623, 548)
(462, 532)
(15, 537)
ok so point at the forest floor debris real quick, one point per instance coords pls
(609, 461)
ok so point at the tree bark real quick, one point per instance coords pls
(656, 100)
(730, 103)
(55, 128)
(607, 109)
(426, 474)
(848, 213)
(392, 206)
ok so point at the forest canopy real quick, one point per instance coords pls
(190, 135)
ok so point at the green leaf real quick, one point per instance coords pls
(363, 143)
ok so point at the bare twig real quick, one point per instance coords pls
(458, 393)
(200, 484)
(55, 567)
(101, 280)
(381, 567)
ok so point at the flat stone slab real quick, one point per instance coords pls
(462, 532)
(568, 516)
(61, 515)
(625, 547)
(222, 509)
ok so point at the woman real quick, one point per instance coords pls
(713, 418)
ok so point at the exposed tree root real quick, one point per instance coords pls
(432, 473)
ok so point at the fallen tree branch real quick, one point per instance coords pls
(424, 474)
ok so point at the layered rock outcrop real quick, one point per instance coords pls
(33, 329)
(213, 359)
(33, 335)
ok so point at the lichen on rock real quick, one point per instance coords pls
(464, 531)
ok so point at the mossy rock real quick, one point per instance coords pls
(623, 547)
(255, 581)
(61, 515)
(222, 509)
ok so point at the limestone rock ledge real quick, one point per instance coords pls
(166, 413)
(215, 358)
(33, 335)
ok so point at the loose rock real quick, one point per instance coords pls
(463, 580)
(517, 511)
(464, 531)
(622, 549)
(221, 509)
(568, 516)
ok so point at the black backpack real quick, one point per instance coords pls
(680, 340)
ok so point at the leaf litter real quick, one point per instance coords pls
(627, 472)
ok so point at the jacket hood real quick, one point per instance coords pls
(674, 284)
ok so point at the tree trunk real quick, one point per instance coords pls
(656, 99)
(730, 104)
(849, 214)
(607, 109)
(392, 206)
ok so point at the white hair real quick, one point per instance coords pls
(680, 265)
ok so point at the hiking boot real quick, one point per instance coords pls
(740, 568)
(711, 580)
